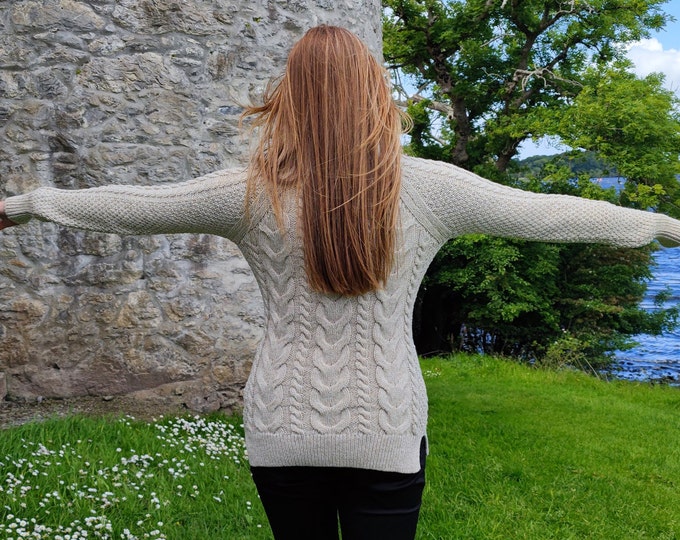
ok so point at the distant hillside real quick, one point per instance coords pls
(579, 163)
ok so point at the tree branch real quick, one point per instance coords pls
(543, 73)
(438, 106)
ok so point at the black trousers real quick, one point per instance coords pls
(307, 503)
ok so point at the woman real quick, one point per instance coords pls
(339, 229)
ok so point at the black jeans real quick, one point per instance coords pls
(305, 503)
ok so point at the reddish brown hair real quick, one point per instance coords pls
(330, 129)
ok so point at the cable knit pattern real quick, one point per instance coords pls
(331, 394)
(336, 380)
(299, 385)
(392, 371)
(364, 369)
(266, 389)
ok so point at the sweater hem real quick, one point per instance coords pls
(393, 453)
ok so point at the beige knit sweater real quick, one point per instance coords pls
(336, 380)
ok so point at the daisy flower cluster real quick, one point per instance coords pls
(432, 373)
(55, 491)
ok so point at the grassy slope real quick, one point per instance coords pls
(522, 453)
(515, 453)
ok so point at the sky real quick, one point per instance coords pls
(659, 53)
(662, 51)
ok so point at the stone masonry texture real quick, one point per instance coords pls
(135, 92)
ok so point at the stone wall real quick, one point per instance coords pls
(144, 92)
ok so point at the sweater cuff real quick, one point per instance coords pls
(19, 208)
(667, 231)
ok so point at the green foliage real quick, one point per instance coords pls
(533, 300)
(501, 71)
(635, 124)
(565, 351)
(491, 75)
(505, 288)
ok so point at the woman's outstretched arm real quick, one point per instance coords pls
(210, 204)
(461, 202)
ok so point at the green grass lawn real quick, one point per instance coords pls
(515, 452)
(177, 478)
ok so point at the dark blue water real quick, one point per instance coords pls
(657, 357)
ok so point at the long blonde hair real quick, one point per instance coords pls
(330, 129)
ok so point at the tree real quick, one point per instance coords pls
(486, 75)
(493, 69)
(633, 123)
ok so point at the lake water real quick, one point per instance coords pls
(657, 357)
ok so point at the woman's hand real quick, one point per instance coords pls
(4, 220)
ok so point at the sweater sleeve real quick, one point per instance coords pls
(460, 202)
(210, 204)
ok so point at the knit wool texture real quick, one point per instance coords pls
(336, 380)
